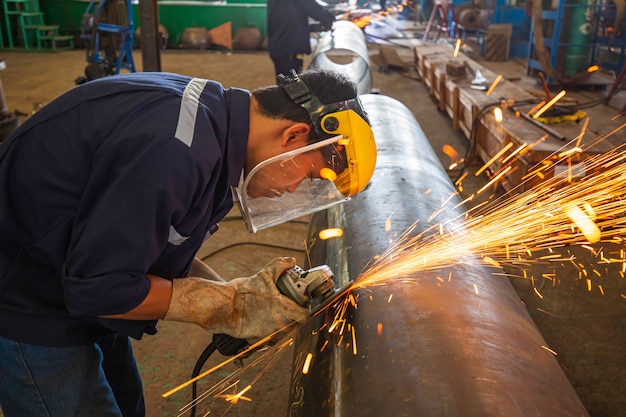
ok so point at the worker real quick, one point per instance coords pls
(289, 32)
(106, 195)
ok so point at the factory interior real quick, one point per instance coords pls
(495, 220)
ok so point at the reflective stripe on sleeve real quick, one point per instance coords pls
(176, 238)
(189, 110)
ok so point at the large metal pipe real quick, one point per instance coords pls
(344, 50)
(463, 347)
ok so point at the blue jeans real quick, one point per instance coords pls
(98, 380)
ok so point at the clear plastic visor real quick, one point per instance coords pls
(292, 184)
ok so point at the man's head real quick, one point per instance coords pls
(327, 86)
(312, 127)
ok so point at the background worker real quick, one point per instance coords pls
(288, 31)
(106, 195)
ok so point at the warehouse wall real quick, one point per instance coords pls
(174, 15)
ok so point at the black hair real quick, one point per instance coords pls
(329, 87)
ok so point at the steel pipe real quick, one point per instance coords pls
(344, 50)
(464, 347)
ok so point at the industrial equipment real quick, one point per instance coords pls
(572, 36)
(108, 33)
(305, 286)
(312, 288)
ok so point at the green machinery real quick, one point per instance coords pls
(578, 34)
(25, 28)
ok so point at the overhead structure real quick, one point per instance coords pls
(345, 51)
(457, 342)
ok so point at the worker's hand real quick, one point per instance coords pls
(249, 307)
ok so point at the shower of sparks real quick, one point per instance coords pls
(509, 230)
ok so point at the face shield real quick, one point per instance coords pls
(314, 177)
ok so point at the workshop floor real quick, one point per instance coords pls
(587, 330)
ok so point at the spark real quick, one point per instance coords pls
(494, 158)
(511, 228)
(497, 114)
(307, 363)
(495, 179)
(457, 48)
(330, 233)
(549, 104)
(589, 228)
(583, 130)
(546, 312)
(493, 85)
(239, 396)
(549, 350)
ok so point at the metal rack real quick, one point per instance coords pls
(576, 36)
(108, 33)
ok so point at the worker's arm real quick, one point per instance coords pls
(154, 306)
(243, 308)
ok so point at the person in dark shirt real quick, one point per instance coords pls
(106, 195)
(288, 31)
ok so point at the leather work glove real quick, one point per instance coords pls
(249, 307)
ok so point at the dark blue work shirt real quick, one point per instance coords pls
(288, 31)
(117, 178)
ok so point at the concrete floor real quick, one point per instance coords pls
(586, 329)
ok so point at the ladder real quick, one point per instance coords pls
(26, 28)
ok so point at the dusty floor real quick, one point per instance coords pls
(586, 329)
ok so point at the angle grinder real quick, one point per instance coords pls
(306, 287)
(312, 288)
(309, 288)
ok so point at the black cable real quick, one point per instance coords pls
(212, 347)
(233, 218)
(267, 245)
(469, 155)
(204, 356)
